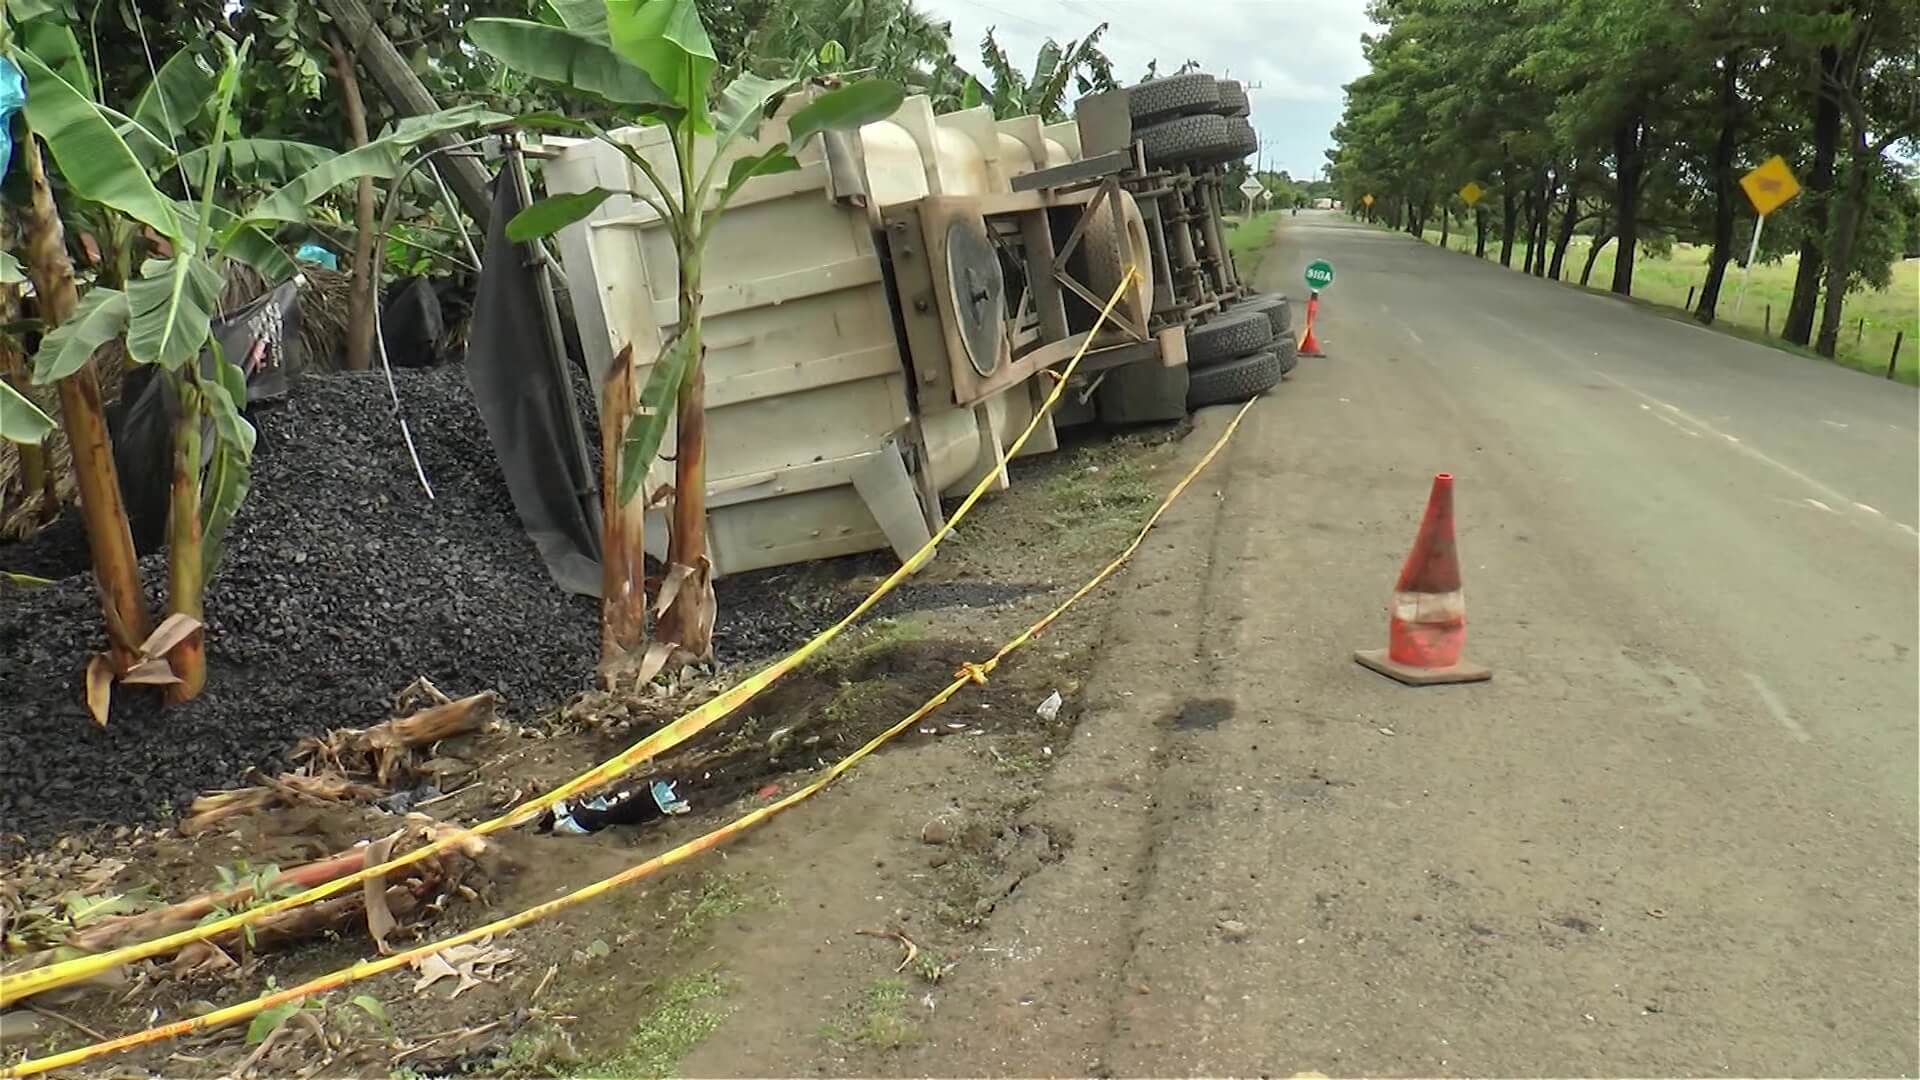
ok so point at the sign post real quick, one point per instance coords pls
(1253, 190)
(1768, 186)
(1318, 275)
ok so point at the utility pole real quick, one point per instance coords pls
(408, 96)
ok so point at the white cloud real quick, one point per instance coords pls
(1296, 53)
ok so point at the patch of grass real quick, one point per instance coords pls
(715, 898)
(854, 700)
(879, 1020)
(1096, 497)
(1249, 239)
(677, 1024)
(536, 1050)
(864, 643)
(1871, 322)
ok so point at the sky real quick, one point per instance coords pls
(1295, 54)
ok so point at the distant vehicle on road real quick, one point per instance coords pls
(1325, 204)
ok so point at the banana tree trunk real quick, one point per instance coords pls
(360, 314)
(687, 616)
(116, 572)
(623, 563)
(186, 573)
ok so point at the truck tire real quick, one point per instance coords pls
(1114, 238)
(1142, 393)
(1175, 95)
(1246, 140)
(1233, 99)
(1288, 350)
(1227, 336)
(1199, 140)
(1235, 380)
(1273, 306)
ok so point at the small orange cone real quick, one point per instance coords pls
(1428, 629)
(1310, 345)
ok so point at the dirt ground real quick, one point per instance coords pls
(920, 844)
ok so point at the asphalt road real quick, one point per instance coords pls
(1676, 834)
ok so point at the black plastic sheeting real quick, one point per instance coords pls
(519, 380)
(413, 324)
(257, 336)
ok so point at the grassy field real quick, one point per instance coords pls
(1872, 318)
(1248, 239)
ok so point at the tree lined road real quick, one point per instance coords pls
(1675, 835)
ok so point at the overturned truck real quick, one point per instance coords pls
(878, 322)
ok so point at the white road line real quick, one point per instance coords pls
(1821, 505)
(1778, 708)
(1414, 336)
(1831, 496)
(1834, 423)
(1868, 509)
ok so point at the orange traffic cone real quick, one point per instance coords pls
(1310, 345)
(1428, 629)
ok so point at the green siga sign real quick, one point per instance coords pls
(1319, 274)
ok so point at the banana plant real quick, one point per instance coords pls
(652, 61)
(1045, 93)
(108, 160)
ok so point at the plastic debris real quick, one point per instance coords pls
(311, 252)
(13, 98)
(1049, 708)
(633, 806)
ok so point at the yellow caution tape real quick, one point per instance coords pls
(39, 980)
(366, 969)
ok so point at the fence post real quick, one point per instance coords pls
(1859, 331)
(1768, 330)
(1895, 358)
(1689, 306)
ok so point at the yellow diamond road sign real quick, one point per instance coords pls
(1770, 185)
(1367, 199)
(1471, 193)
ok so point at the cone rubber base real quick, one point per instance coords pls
(1463, 672)
(1310, 346)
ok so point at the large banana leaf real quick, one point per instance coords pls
(21, 421)
(241, 242)
(412, 130)
(146, 146)
(587, 17)
(101, 317)
(743, 105)
(556, 212)
(172, 310)
(383, 158)
(11, 272)
(177, 95)
(93, 159)
(863, 102)
(258, 161)
(666, 39)
(572, 58)
(53, 43)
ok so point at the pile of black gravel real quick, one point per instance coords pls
(340, 581)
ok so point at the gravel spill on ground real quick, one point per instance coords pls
(339, 583)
